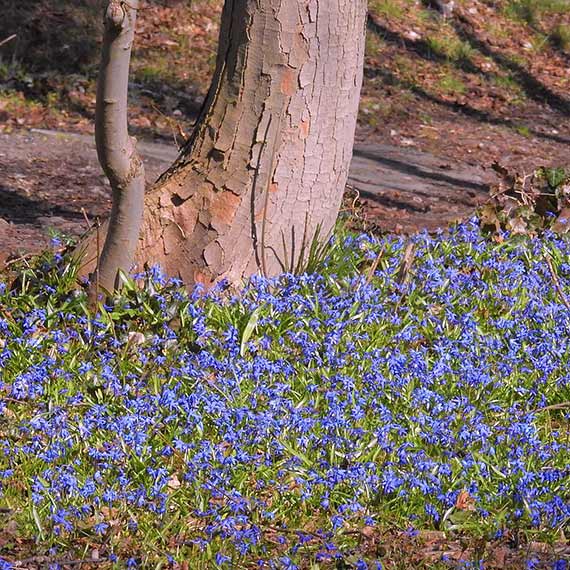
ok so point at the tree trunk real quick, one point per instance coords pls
(264, 171)
(116, 150)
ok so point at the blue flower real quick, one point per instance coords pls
(222, 559)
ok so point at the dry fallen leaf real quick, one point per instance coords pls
(465, 502)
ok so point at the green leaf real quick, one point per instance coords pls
(555, 176)
(249, 328)
(38, 522)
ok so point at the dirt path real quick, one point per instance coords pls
(52, 181)
(408, 190)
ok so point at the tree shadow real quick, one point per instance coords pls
(56, 54)
(557, 45)
(420, 47)
(421, 172)
(555, 41)
(56, 37)
(464, 109)
(533, 87)
(391, 202)
(19, 209)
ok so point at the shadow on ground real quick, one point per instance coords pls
(60, 38)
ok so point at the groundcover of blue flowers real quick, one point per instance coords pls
(284, 426)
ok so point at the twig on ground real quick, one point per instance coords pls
(175, 127)
(86, 218)
(18, 259)
(98, 261)
(374, 266)
(556, 282)
(45, 560)
(560, 406)
(8, 39)
(406, 265)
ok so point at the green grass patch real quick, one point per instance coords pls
(511, 85)
(450, 84)
(374, 45)
(450, 47)
(530, 11)
(524, 131)
(389, 8)
(560, 36)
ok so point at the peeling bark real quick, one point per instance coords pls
(264, 171)
(116, 149)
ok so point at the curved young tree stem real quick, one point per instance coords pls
(116, 149)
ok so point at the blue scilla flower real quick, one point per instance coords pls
(5, 565)
(100, 528)
(222, 559)
(351, 395)
(287, 564)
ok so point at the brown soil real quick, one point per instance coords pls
(442, 101)
(52, 182)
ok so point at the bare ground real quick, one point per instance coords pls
(442, 100)
(52, 181)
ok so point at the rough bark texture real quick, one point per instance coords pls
(115, 149)
(265, 169)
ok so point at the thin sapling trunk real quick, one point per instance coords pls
(116, 149)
